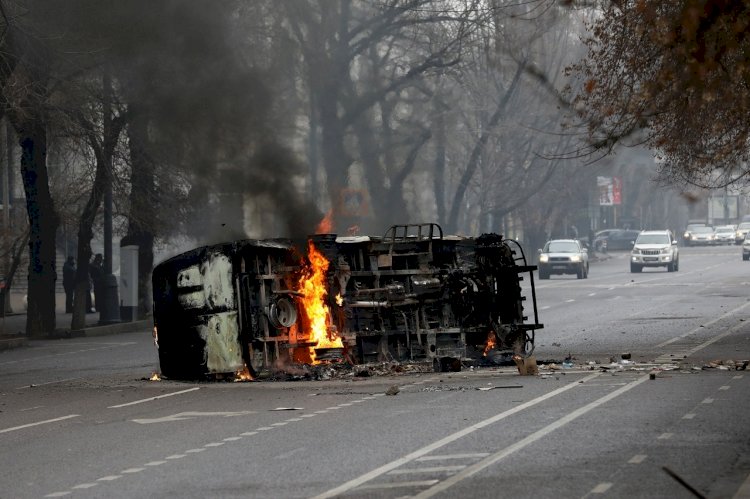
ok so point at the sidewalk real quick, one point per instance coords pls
(13, 326)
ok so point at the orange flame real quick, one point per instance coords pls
(490, 343)
(155, 377)
(243, 375)
(312, 285)
(326, 225)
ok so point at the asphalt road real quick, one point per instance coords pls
(79, 417)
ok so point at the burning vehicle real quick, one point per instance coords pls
(246, 306)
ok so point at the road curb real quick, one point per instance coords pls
(117, 328)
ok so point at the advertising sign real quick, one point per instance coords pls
(610, 190)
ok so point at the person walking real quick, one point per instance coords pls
(69, 278)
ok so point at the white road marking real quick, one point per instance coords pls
(84, 486)
(108, 478)
(293, 420)
(707, 400)
(665, 436)
(434, 469)
(398, 485)
(58, 494)
(453, 456)
(282, 423)
(175, 456)
(195, 451)
(592, 294)
(190, 415)
(264, 428)
(688, 416)
(725, 387)
(46, 421)
(703, 326)
(155, 463)
(232, 439)
(356, 482)
(601, 488)
(538, 435)
(153, 398)
(637, 459)
(132, 470)
(214, 444)
(33, 385)
(249, 433)
(739, 376)
(570, 300)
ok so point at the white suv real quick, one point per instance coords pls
(655, 248)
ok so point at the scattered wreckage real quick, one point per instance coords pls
(414, 294)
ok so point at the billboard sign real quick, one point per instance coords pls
(610, 190)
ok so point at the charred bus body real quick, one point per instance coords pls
(412, 294)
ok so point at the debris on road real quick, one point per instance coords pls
(393, 390)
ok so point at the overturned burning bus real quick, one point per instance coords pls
(412, 294)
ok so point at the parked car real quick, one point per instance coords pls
(725, 234)
(742, 229)
(563, 256)
(700, 235)
(655, 248)
(746, 247)
(618, 239)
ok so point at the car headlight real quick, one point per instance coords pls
(575, 258)
(686, 235)
(543, 258)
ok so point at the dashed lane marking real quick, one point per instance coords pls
(524, 442)
(702, 326)
(601, 488)
(361, 480)
(637, 459)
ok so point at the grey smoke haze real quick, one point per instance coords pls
(196, 70)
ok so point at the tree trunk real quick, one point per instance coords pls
(142, 205)
(43, 222)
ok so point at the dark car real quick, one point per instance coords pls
(619, 239)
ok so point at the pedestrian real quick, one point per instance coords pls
(69, 278)
(96, 271)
